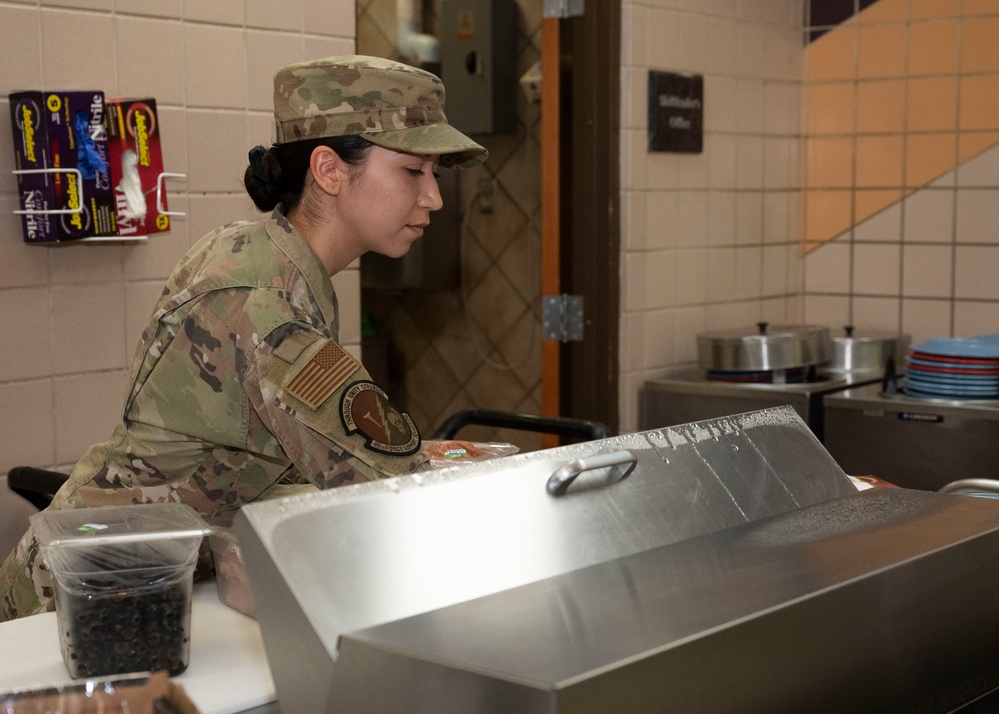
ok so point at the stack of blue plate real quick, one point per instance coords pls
(954, 368)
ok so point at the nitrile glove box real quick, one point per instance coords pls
(136, 166)
(61, 139)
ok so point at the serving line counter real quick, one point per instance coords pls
(726, 565)
(228, 669)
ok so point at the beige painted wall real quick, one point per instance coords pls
(70, 316)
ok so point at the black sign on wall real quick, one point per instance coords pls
(676, 112)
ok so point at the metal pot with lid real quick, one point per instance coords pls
(778, 347)
(866, 351)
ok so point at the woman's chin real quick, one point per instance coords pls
(396, 251)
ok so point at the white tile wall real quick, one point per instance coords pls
(32, 265)
(827, 310)
(284, 15)
(983, 170)
(217, 146)
(749, 273)
(925, 319)
(27, 422)
(221, 12)
(25, 317)
(634, 214)
(977, 209)
(265, 51)
(140, 296)
(720, 266)
(155, 258)
(722, 218)
(70, 57)
(876, 313)
(72, 315)
(205, 48)
(691, 218)
(975, 318)
(975, 273)
(662, 228)
(722, 95)
(659, 345)
(929, 218)
(925, 265)
(318, 46)
(718, 246)
(325, 18)
(86, 4)
(172, 9)
(775, 221)
(631, 348)
(146, 59)
(876, 268)
(774, 277)
(86, 263)
(88, 327)
(721, 156)
(692, 276)
(927, 271)
(828, 269)
(22, 60)
(99, 396)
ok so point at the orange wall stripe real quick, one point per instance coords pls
(858, 74)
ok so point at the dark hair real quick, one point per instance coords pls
(277, 175)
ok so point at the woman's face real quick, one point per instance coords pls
(388, 200)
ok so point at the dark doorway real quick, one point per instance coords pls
(590, 48)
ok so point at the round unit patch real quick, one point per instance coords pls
(366, 410)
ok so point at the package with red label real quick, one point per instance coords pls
(136, 693)
(136, 164)
(61, 165)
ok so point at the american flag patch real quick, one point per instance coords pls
(318, 378)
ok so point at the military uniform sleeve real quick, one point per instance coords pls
(331, 419)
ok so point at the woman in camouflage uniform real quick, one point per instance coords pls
(239, 383)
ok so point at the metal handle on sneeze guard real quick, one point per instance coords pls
(559, 481)
(984, 485)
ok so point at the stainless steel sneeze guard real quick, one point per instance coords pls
(670, 585)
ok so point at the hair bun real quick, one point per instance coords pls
(260, 179)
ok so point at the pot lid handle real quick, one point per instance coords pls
(763, 327)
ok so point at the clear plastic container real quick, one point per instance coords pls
(123, 579)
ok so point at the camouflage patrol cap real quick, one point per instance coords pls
(388, 103)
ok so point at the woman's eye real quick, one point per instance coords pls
(420, 172)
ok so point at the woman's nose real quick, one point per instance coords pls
(430, 196)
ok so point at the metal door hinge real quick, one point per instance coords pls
(563, 317)
(563, 8)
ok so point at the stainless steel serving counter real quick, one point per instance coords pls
(911, 441)
(727, 565)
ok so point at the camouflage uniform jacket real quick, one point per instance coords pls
(238, 384)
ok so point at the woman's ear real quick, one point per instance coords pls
(328, 169)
